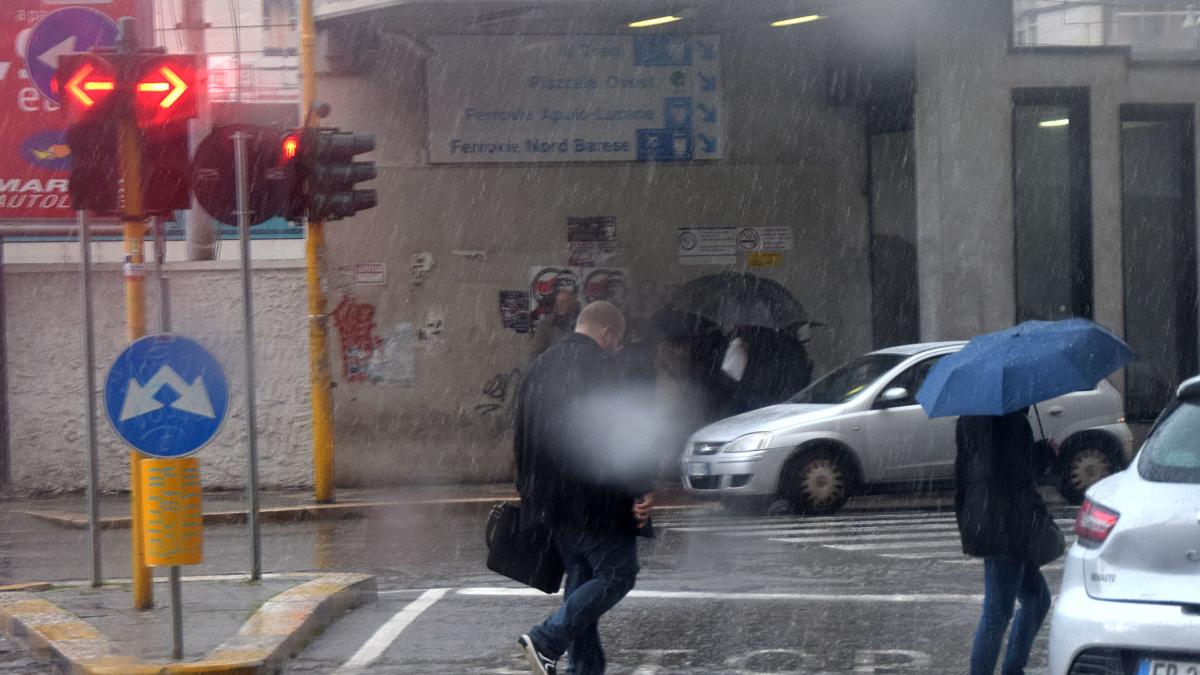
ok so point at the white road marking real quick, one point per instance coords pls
(508, 592)
(383, 638)
(850, 537)
(853, 531)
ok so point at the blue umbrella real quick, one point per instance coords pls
(1000, 372)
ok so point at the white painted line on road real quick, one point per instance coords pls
(505, 592)
(927, 528)
(801, 526)
(941, 543)
(851, 537)
(383, 638)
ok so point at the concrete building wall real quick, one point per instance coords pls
(966, 74)
(793, 160)
(47, 421)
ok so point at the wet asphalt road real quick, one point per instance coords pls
(869, 591)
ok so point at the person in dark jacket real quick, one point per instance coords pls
(1000, 515)
(565, 485)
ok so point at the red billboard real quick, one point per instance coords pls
(34, 157)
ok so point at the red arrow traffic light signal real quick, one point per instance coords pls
(165, 90)
(87, 80)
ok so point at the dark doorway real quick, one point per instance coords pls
(1052, 203)
(1159, 238)
(895, 315)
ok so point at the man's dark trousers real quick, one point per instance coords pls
(601, 568)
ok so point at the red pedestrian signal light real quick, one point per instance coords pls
(291, 147)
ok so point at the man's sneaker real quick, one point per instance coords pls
(542, 665)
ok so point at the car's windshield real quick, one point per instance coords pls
(847, 381)
(1172, 453)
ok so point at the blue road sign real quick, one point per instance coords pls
(63, 31)
(166, 396)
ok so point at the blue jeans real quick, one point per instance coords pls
(1004, 581)
(600, 569)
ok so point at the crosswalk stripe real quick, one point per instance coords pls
(852, 531)
(850, 538)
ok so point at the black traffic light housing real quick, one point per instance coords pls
(153, 91)
(86, 82)
(322, 173)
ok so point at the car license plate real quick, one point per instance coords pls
(1162, 667)
(697, 469)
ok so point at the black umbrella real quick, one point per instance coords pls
(740, 299)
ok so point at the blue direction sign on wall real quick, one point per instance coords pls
(63, 31)
(166, 395)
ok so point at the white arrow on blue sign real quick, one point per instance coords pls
(63, 31)
(166, 396)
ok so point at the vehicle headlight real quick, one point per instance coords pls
(748, 443)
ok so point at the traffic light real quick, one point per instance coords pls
(154, 91)
(87, 83)
(164, 99)
(322, 173)
(164, 89)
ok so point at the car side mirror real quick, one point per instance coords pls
(896, 396)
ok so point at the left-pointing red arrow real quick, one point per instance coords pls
(81, 83)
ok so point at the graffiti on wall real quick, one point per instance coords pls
(499, 392)
(355, 323)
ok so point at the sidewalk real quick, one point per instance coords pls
(78, 629)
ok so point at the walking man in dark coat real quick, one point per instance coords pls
(593, 511)
(1003, 519)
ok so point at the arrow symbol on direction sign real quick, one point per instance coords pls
(193, 398)
(50, 56)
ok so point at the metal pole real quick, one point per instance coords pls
(135, 313)
(243, 216)
(318, 352)
(5, 445)
(164, 326)
(89, 393)
(160, 258)
(176, 615)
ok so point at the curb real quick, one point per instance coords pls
(279, 514)
(279, 628)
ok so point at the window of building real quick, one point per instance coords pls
(1052, 203)
(1150, 28)
(279, 23)
(1158, 223)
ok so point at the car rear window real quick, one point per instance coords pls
(1172, 452)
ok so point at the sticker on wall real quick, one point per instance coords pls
(355, 324)
(544, 284)
(591, 240)
(514, 310)
(706, 245)
(765, 238)
(434, 326)
(394, 363)
(607, 284)
(760, 259)
(421, 265)
(370, 274)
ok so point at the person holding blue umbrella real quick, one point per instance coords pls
(1001, 516)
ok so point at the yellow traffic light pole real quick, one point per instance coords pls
(318, 352)
(135, 328)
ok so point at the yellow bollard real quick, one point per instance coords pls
(173, 517)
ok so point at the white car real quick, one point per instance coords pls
(1130, 598)
(861, 425)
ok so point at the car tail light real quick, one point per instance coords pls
(1094, 523)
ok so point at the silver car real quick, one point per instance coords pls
(861, 425)
(1130, 598)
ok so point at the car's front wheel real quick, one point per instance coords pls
(817, 481)
(1083, 463)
